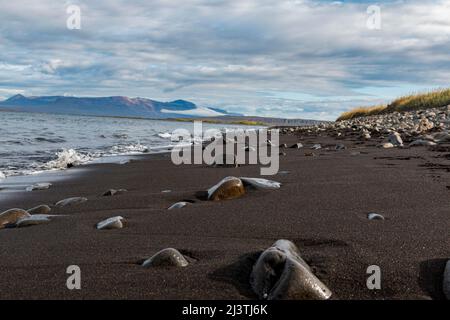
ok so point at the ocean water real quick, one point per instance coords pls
(31, 143)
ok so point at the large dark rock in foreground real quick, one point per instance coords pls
(280, 273)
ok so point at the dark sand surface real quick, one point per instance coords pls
(321, 206)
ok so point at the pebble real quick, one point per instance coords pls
(375, 216)
(386, 145)
(421, 142)
(39, 186)
(71, 201)
(178, 205)
(317, 146)
(114, 192)
(11, 216)
(280, 273)
(297, 146)
(41, 209)
(227, 188)
(395, 139)
(111, 223)
(260, 183)
(33, 220)
(166, 258)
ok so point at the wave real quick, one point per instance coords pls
(165, 135)
(67, 158)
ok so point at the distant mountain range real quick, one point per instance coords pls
(119, 106)
(110, 106)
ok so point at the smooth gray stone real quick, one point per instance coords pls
(114, 192)
(71, 201)
(11, 216)
(33, 220)
(375, 216)
(166, 258)
(41, 209)
(111, 223)
(177, 205)
(280, 273)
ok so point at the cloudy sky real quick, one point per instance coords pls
(284, 58)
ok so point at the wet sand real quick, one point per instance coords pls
(322, 207)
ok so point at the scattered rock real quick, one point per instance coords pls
(282, 154)
(280, 273)
(297, 146)
(11, 216)
(375, 216)
(260, 183)
(340, 147)
(166, 191)
(366, 136)
(166, 258)
(33, 220)
(111, 223)
(178, 205)
(283, 145)
(309, 154)
(41, 209)
(317, 146)
(446, 282)
(71, 201)
(424, 125)
(421, 142)
(114, 192)
(227, 188)
(395, 139)
(39, 186)
(386, 145)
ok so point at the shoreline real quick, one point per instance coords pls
(322, 207)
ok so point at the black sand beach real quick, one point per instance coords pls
(322, 207)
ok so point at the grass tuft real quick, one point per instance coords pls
(433, 99)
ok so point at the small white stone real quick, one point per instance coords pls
(375, 216)
(111, 223)
(177, 205)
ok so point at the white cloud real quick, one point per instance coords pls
(226, 52)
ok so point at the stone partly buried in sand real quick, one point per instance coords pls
(232, 187)
(111, 223)
(11, 216)
(39, 186)
(375, 216)
(114, 192)
(166, 258)
(178, 205)
(227, 188)
(41, 209)
(260, 183)
(280, 273)
(421, 142)
(33, 220)
(446, 282)
(395, 139)
(71, 201)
